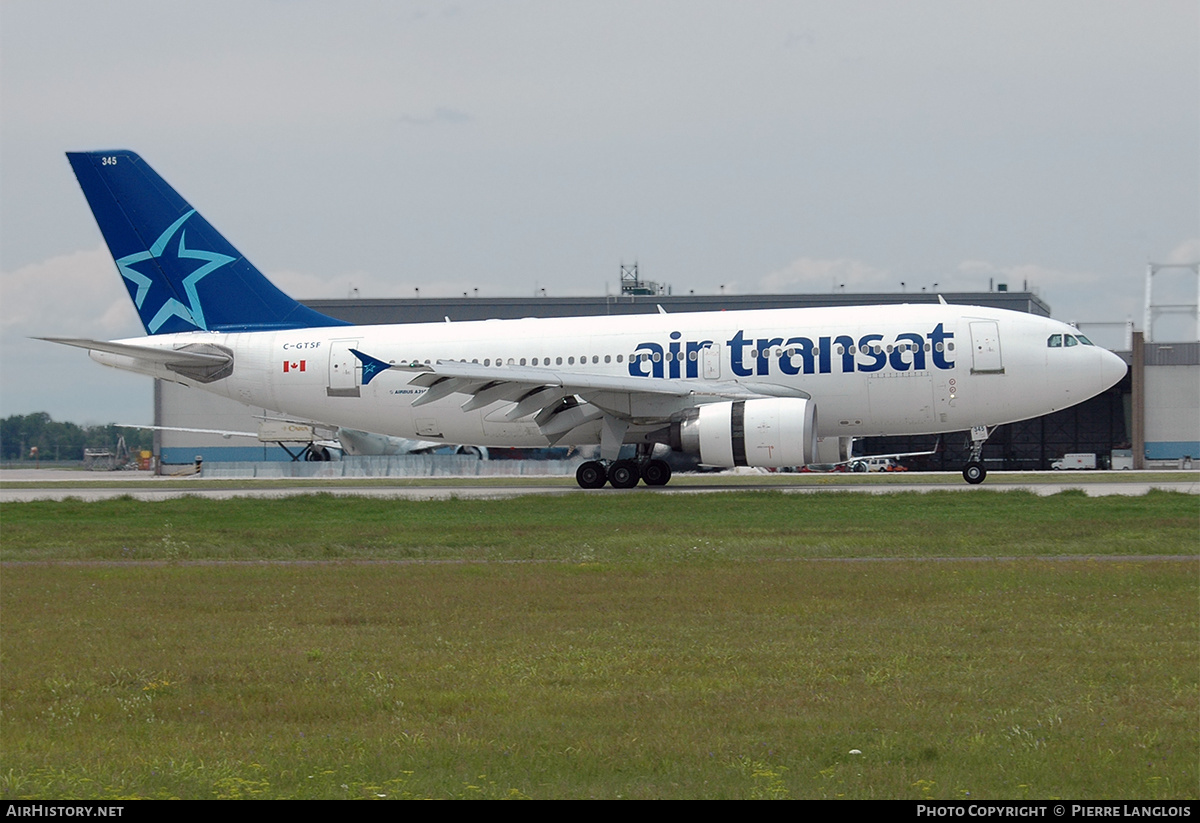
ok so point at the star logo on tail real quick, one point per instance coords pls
(174, 255)
(371, 366)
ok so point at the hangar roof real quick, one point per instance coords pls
(435, 309)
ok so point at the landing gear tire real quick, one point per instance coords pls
(974, 472)
(656, 473)
(624, 474)
(591, 475)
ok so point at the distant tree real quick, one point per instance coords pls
(62, 441)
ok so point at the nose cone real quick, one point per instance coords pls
(1112, 369)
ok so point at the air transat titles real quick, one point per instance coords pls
(750, 356)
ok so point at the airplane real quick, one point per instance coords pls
(368, 444)
(320, 442)
(736, 388)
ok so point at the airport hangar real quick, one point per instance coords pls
(1169, 424)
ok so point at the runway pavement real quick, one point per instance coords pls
(26, 485)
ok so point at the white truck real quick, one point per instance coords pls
(1075, 461)
(1122, 459)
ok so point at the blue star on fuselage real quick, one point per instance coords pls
(193, 313)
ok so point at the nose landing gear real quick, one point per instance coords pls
(974, 472)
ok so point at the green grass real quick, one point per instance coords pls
(603, 527)
(729, 646)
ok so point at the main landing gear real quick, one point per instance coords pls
(974, 472)
(622, 474)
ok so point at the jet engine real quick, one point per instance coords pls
(769, 432)
(834, 449)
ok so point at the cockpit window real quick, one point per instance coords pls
(1071, 341)
(1085, 341)
(1054, 341)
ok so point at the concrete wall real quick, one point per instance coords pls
(1172, 412)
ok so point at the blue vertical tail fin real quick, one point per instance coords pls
(180, 272)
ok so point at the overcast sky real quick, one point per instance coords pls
(513, 146)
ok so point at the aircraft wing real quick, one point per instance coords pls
(890, 455)
(261, 435)
(222, 432)
(348, 441)
(550, 394)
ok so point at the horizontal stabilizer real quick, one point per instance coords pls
(150, 354)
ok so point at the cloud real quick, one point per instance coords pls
(806, 274)
(1025, 276)
(1075, 295)
(78, 294)
(441, 115)
(360, 285)
(72, 295)
(308, 286)
(1186, 252)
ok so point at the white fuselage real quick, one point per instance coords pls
(875, 370)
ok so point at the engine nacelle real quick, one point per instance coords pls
(834, 449)
(768, 432)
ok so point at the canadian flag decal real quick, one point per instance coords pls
(293, 365)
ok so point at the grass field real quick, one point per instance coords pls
(742, 645)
